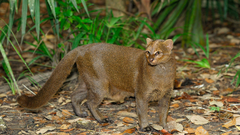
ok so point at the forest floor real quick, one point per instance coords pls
(203, 102)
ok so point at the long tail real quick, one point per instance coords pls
(52, 85)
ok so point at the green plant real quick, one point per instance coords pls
(237, 75)
(169, 12)
(215, 108)
(6, 65)
(204, 62)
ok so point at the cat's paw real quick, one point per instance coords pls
(147, 129)
(106, 120)
(82, 114)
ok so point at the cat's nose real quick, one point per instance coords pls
(151, 59)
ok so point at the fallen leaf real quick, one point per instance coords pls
(227, 133)
(190, 130)
(105, 130)
(45, 129)
(157, 127)
(174, 126)
(37, 118)
(175, 105)
(128, 120)
(232, 100)
(208, 80)
(230, 123)
(237, 120)
(127, 114)
(164, 131)
(184, 96)
(177, 83)
(196, 119)
(66, 112)
(66, 130)
(2, 95)
(201, 131)
(216, 92)
(64, 126)
(130, 131)
(218, 103)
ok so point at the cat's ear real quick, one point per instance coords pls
(169, 44)
(149, 40)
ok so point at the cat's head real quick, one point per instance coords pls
(158, 51)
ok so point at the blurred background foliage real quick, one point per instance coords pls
(121, 22)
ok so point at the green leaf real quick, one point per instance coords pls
(203, 63)
(34, 59)
(68, 13)
(237, 75)
(24, 17)
(11, 18)
(85, 7)
(77, 40)
(52, 6)
(8, 66)
(37, 17)
(75, 4)
(31, 5)
(112, 22)
(66, 25)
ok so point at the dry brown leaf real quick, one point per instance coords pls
(84, 133)
(217, 103)
(177, 83)
(66, 130)
(184, 96)
(64, 126)
(105, 130)
(128, 114)
(208, 80)
(228, 90)
(216, 92)
(175, 105)
(174, 126)
(232, 100)
(66, 112)
(128, 120)
(196, 119)
(45, 129)
(201, 131)
(190, 130)
(230, 123)
(227, 133)
(130, 131)
(37, 118)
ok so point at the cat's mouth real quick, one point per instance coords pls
(153, 63)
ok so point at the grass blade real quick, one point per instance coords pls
(75, 4)
(77, 40)
(52, 6)
(37, 17)
(24, 17)
(85, 7)
(11, 18)
(9, 68)
(31, 5)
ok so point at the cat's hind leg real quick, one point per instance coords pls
(95, 96)
(79, 96)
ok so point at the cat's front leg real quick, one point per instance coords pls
(163, 108)
(142, 108)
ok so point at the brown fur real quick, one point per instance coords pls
(115, 72)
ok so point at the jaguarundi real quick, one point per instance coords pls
(115, 72)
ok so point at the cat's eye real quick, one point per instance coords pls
(157, 53)
(147, 52)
